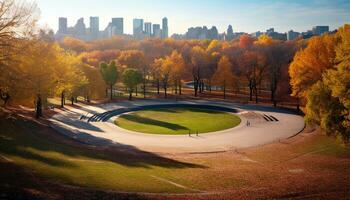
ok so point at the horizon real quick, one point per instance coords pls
(281, 15)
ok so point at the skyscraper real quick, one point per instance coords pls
(80, 29)
(137, 28)
(319, 30)
(291, 35)
(94, 27)
(157, 32)
(148, 29)
(118, 26)
(229, 34)
(62, 25)
(165, 29)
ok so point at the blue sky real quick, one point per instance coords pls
(247, 16)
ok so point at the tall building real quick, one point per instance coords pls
(94, 27)
(165, 29)
(137, 28)
(157, 32)
(62, 25)
(229, 34)
(291, 35)
(213, 33)
(80, 29)
(319, 30)
(118, 25)
(148, 29)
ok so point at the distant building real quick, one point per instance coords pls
(270, 31)
(213, 33)
(319, 30)
(202, 33)
(138, 28)
(257, 34)
(275, 35)
(229, 33)
(307, 34)
(157, 32)
(94, 28)
(148, 29)
(62, 25)
(291, 35)
(165, 29)
(80, 29)
(118, 26)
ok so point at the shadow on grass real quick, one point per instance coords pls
(35, 142)
(143, 120)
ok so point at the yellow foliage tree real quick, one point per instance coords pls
(223, 75)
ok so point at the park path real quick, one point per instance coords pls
(267, 125)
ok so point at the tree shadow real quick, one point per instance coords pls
(143, 120)
(24, 138)
(207, 108)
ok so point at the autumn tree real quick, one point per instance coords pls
(223, 75)
(131, 78)
(177, 70)
(75, 45)
(69, 79)
(156, 72)
(17, 21)
(245, 41)
(199, 60)
(109, 73)
(310, 63)
(328, 100)
(136, 59)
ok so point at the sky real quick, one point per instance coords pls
(245, 16)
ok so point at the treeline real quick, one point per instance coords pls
(320, 75)
(239, 65)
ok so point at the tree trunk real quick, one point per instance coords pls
(224, 90)
(158, 86)
(165, 91)
(195, 86)
(256, 95)
(130, 95)
(250, 90)
(175, 83)
(111, 88)
(144, 88)
(136, 92)
(72, 100)
(39, 112)
(210, 85)
(180, 87)
(62, 99)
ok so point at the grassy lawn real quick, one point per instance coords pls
(21, 142)
(324, 161)
(177, 121)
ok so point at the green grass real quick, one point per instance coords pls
(177, 121)
(21, 142)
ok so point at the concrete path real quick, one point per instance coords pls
(267, 125)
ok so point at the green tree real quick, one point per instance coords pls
(109, 74)
(131, 78)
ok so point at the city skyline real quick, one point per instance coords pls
(268, 13)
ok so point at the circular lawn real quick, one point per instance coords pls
(177, 121)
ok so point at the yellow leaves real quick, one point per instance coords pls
(309, 64)
(223, 74)
(264, 40)
(343, 49)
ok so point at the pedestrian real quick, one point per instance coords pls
(247, 123)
